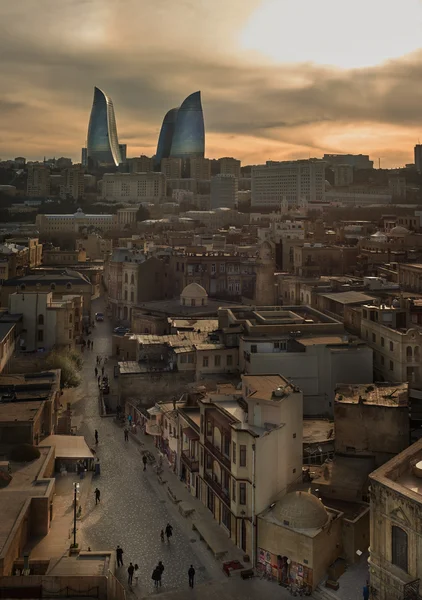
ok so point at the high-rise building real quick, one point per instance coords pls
(224, 191)
(293, 180)
(418, 157)
(73, 183)
(165, 139)
(172, 167)
(358, 161)
(200, 168)
(189, 131)
(229, 166)
(123, 152)
(38, 183)
(84, 157)
(103, 149)
(134, 186)
(141, 164)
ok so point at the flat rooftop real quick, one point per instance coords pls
(263, 387)
(381, 394)
(21, 412)
(348, 297)
(403, 473)
(317, 431)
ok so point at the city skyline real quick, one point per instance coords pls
(263, 98)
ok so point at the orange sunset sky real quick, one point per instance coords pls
(280, 79)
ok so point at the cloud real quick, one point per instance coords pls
(149, 56)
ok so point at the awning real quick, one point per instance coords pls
(153, 411)
(190, 434)
(71, 447)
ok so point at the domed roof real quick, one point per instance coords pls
(378, 236)
(399, 231)
(194, 290)
(300, 510)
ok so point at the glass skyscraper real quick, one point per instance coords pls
(166, 136)
(189, 131)
(103, 148)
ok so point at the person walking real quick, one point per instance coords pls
(99, 380)
(156, 576)
(365, 591)
(130, 571)
(92, 345)
(160, 568)
(96, 372)
(119, 556)
(162, 535)
(145, 460)
(96, 436)
(97, 496)
(102, 370)
(136, 574)
(191, 575)
(169, 531)
(126, 432)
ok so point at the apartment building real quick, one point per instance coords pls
(140, 164)
(171, 167)
(95, 246)
(38, 182)
(76, 223)
(307, 347)
(239, 460)
(293, 180)
(34, 248)
(47, 322)
(320, 259)
(224, 191)
(229, 166)
(72, 183)
(132, 187)
(200, 168)
(279, 231)
(14, 260)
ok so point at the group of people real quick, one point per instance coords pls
(101, 361)
(88, 343)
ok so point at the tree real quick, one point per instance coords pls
(142, 214)
(70, 363)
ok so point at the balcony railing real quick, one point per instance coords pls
(217, 453)
(218, 489)
(191, 463)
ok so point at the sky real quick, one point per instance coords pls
(280, 79)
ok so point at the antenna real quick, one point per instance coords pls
(379, 163)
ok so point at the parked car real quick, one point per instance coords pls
(121, 330)
(99, 316)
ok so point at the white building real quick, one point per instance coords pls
(76, 223)
(293, 180)
(134, 186)
(224, 191)
(278, 231)
(356, 198)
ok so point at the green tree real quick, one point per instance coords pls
(69, 363)
(142, 214)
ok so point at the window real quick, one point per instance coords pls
(165, 424)
(234, 453)
(132, 279)
(70, 319)
(254, 348)
(374, 337)
(52, 287)
(294, 436)
(242, 455)
(202, 423)
(229, 360)
(226, 445)
(391, 365)
(126, 279)
(125, 294)
(242, 493)
(40, 319)
(209, 428)
(234, 491)
(40, 335)
(391, 346)
(202, 456)
(382, 361)
(68, 286)
(382, 341)
(217, 360)
(399, 551)
(205, 361)
(70, 334)
(132, 296)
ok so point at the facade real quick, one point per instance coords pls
(343, 175)
(200, 168)
(358, 161)
(47, 322)
(224, 191)
(76, 223)
(95, 246)
(141, 164)
(73, 183)
(418, 157)
(134, 186)
(14, 260)
(34, 248)
(103, 148)
(321, 259)
(229, 166)
(171, 167)
(38, 182)
(396, 512)
(165, 139)
(189, 131)
(293, 180)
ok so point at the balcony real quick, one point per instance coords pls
(191, 463)
(218, 489)
(217, 454)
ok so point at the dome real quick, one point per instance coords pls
(378, 236)
(399, 231)
(300, 510)
(194, 295)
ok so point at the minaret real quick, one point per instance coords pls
(265, 280)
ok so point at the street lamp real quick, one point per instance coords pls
(75, 496)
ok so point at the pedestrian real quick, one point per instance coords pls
(160, 568)
(130, 571)
(169, 531)
(162, 535)
(119, 556)
(98, 360)
(126, 432)
(92, 345)
(156, 576)
(96, 372)
(136, 574)
(102, 370)
(366, 591)
(191, 575)
(96, 436)
(97, 496)
(145, 460)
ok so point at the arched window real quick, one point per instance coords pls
(399, 550)
(132, 279)
(40, 319)
(125, 294)
(68, 286)
(126, 278)
(409, 352)
(52, 287)
(70, 319)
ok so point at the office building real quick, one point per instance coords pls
(188, 140)
(134, 186)
(172, 168)
(73, 183)
(358, 161)
(103, 147)
(224, 191)
(166, 136)
(38, 183)
(293, 180)
(73, 223)
(229, 166)
(84, 157)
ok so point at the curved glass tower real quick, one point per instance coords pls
(189, 132)
(103, 144)
(166, 135)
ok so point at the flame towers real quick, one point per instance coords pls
(103, 144)
(182, 133)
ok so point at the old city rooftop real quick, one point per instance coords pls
(382, 394)
(267, 387)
